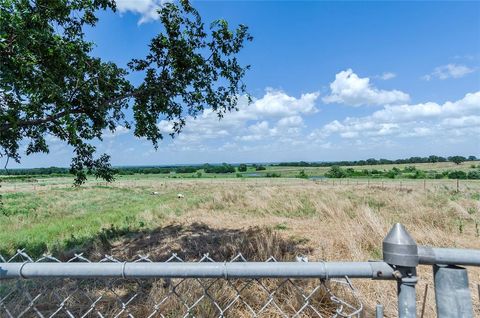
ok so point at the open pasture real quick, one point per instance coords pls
(286, 171)
(322, 219)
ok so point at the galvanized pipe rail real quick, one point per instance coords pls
(448, 256)
(324, 270)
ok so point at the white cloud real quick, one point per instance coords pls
(402, 113)
(462, 122)
(464, 57)
(349, 134)
(387, 75)
(291, 121)
(418, 120)
(276, 103)
(147, 9)
(417, 132)
(276, 114)
(258, 131)
(448, 71)
(119, 130)
(407, 112)
(350, 89)
(165, 127)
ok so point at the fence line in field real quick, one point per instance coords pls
(395, 184)
(143, 288)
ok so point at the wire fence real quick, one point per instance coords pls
(407, 185)
(171, 297)
(145, 287)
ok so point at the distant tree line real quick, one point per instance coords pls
(207, 168)
(372, 161)
(54, 171)
(409, 172)
(35, 171)
(155, 170)
(228, 168)
(223, 168)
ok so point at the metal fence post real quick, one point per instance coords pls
(407, 301)
(379, 311)
(452, 294)
(401, 251)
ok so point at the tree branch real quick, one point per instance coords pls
(53, 117)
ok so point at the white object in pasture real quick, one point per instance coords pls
(301, 258)
(155, 193)
(180, 196)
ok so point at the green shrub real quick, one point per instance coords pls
(390, 174)
(350, 172)
(302, 175)
(456, 174)
(475, 174)
(419, 174)
(273, 175)
(335, 172)
(409, 169)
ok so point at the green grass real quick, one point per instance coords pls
(72, 218)
(375, 204)
(281, 226)
(320, 171)
(19, 204)
(26, 182)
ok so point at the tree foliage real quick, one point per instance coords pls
(457, 174)
(52, 85)
(223, 168)
(372, 161)
(457, 159)
(259, 167)
(475, 174)
(242, 167)
(302, 175)
(336, 172)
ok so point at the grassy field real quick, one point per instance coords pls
(320, 171)
(327, 220)
(283, 171)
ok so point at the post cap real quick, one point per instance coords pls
(399, 248)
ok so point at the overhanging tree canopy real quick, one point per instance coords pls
(50, 84)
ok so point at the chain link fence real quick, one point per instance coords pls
(144, 287)
(174, 297)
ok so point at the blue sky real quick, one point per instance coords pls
(331, 81)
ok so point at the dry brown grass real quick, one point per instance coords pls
(344, 222)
